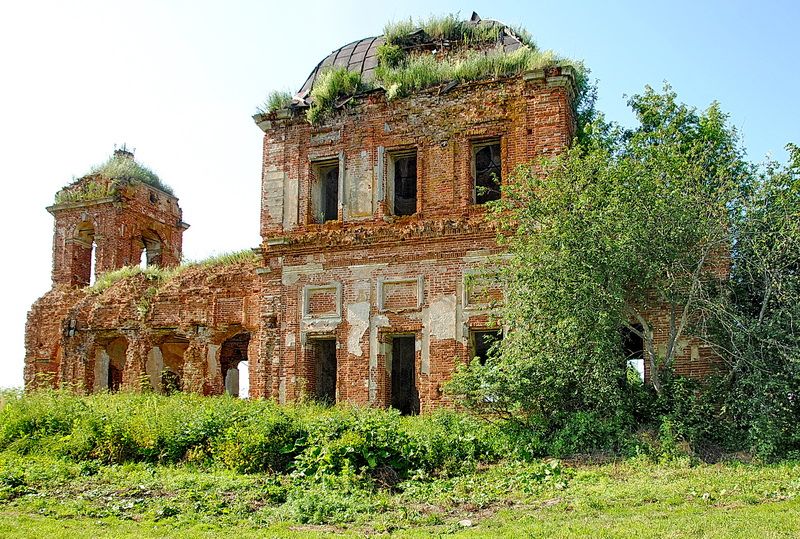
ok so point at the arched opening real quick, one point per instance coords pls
(83, 254)
(150, 245)
(109, 364)
(234, 365)
(172, 349)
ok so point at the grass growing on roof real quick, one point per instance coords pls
(162, 275)
(151, 273)
(418, 72)
(443, 28)
(90, 190)
(330, 86)
(226, 259)
(276, 100)
(124, 168)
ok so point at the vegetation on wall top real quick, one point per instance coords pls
(126, 169)
(468, 51)
(106, 179)
(164, 275)
(450, 28)
(276, 100)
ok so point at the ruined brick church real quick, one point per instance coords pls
(369, 284)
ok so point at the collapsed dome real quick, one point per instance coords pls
(362, 56)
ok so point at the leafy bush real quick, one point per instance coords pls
(361, 439)
(449, 443)
(247, 436)
(262, 442)
(591, 432)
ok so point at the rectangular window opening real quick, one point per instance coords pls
(324, 354)
(486, 171)
(403, 182)
(404, 394)
(482, 343)
(325, 192)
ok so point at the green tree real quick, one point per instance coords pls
(625, 224)
(755, 323)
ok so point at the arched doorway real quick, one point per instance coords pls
(150, 248)
(173, 349)
(109, 364)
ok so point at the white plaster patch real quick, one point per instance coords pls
(101, 361)
(442, 317)
(375, 322)
(358, 319)
(154, 366)
(290, 339)
(291, 188)
(212, 358)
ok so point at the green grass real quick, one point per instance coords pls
(226, 259)
(401, 73)
(418, 72)
(115, 170)
(633, 498)
(124, 168)
(448, 27)
(331, 86)
(163, 275)
(276, 100)
(146, 465)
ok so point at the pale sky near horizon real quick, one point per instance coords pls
(179, 80)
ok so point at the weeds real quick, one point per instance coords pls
(150, 273)
(330, 87)
(442, 28)
(225, 259)
(276, 100)
(107, 179)
(418, 72)
(126, 169)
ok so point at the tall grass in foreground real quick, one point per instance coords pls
(246, 436)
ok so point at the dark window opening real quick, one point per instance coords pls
(325, 370)
(632, 344)
(84, 255)
(487, 170)
(404, 172)
(404, 396)
(326, 203)
(633, 348)
(482, 343)
(150, 245)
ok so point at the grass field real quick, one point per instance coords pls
(50, 497)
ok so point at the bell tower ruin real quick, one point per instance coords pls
(118, 215)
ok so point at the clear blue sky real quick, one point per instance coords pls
(179, 80)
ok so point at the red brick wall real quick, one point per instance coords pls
(362, 279)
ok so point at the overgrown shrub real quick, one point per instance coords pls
(263, 441)
(309, 440)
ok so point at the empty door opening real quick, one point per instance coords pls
(325, 370)
(404, 387)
